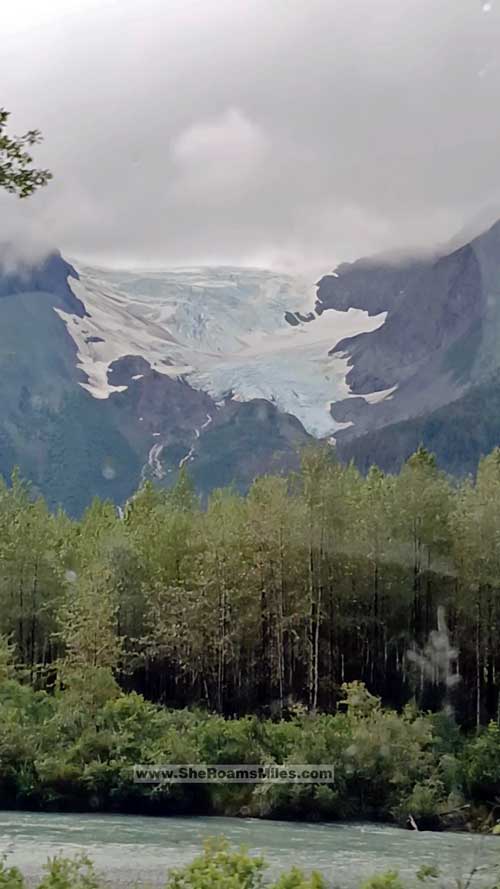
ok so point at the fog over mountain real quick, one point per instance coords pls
(285, 135)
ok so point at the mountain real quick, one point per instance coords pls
(438, 353)
(111, 377)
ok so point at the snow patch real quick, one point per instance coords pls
(376, 397)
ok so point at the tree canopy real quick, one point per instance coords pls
(17, 173)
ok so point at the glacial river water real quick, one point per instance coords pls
(126, 849)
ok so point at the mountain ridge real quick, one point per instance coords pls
(109, 377)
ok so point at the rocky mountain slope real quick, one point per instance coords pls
(110, 377)
(439, 350)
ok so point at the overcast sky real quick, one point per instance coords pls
(291, 133)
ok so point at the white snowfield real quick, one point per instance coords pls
(224, 330)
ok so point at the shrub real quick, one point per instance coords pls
(481, 763)
(389, 880)
(219, 868)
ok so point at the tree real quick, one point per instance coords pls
(423, 503)
(89, 622)
(31, 573)
(17, 174)
(476, 524)
(318, 477)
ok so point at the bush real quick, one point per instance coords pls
(481, 764)
(60, 873)
(55, 753)
(389, 880)
(219, 868)
(426, 800)
(69, 873)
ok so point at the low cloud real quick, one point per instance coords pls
(289, 134)
(218, 159)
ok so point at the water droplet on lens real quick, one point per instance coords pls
(108, 471)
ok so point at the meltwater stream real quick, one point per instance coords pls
(128, 849)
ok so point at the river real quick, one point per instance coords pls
(127, 848)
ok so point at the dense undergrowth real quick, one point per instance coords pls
(75, 749)
(146, 637)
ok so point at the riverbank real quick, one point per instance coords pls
(474, 821)
(75, 751)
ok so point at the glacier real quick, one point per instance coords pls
(224, 330)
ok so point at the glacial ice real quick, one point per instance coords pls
(224, 330)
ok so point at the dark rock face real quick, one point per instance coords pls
(372, 284)
(94, 339)
(440, 337)
(437, 306)
(246, 440)
(296, 318)
(459, 434)
(121, 372)
(49, 275)
(156, 408)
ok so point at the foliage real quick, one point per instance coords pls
(272, 627)
(17, 174)
(75, 748)
(482, 762)
(389, 880)
(69, 873)
(218, 867)
(266, 602)
(60, 873)
(427, 872)
(10, 877)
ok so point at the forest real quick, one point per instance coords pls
(264, 602)
(325, 616)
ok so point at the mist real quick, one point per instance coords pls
(289, 135)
